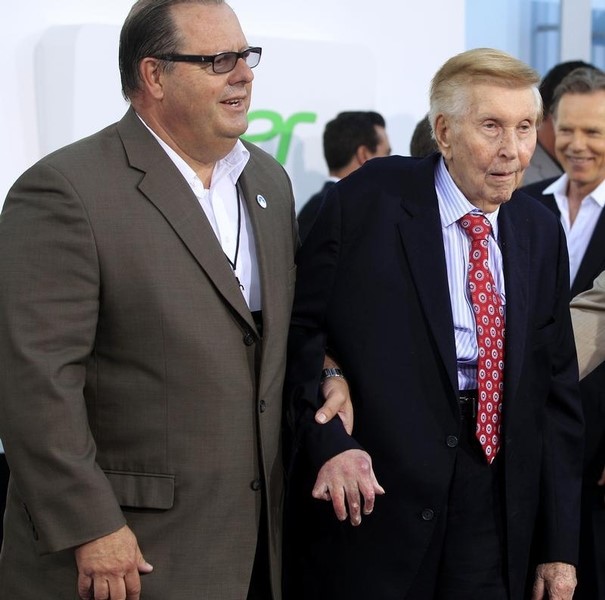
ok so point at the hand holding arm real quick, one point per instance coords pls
(345, 477)
(557, 579)
(337, 399)
(110, 566)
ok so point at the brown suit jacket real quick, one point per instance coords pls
(134, 386)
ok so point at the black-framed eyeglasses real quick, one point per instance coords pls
(221, 63)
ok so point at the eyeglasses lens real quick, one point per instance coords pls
(226, 62)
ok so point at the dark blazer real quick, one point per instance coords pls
(591, 575)
(372, 286)
(593, 261)
(308, 213)
(135, 387)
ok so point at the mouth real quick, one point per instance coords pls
(579, 160)
(503, 174)
(234, 102)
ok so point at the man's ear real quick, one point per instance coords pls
(363, 154)
(152, 76)
(443, 133)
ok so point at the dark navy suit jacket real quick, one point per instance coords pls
(307, 215)
(372, 287)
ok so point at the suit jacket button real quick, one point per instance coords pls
(263, 406)
(451, 441)
(428, 514)
(255, 485)
(248, 339)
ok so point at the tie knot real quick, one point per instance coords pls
(476, 226)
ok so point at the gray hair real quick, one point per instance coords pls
(585, 80)
(449, 87)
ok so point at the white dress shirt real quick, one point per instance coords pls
(578, 235)
(220, 205)
(453, 206)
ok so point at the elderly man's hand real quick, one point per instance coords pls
(345, 479)
(557, 579)
(109, 567)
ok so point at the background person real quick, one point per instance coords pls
(422, 143)
(577, 198)
(349, 140)
(544, 163)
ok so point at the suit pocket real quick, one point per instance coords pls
(142, 490)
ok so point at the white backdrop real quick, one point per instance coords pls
(60, 72)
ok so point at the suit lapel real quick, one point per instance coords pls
(514, 242)
(551, 203)
(421, 222)
(258, 204)
(164, 186)
(265, 211)
(593, 261)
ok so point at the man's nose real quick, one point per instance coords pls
(509, 142)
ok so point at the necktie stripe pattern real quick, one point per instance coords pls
(489, 318)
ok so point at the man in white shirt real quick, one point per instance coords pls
(141, 387)
(544, 163)
(578, 197)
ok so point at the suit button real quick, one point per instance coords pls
(263, 406)
(255, 485)
(248, 339)
(451, 441)
(428, 514)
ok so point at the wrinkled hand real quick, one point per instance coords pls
(343, 480)
(109, 567)
(337, 402)
(557, 579)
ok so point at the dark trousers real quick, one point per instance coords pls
(591, 566)
(466, 559)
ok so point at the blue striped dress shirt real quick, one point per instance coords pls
(452, 206)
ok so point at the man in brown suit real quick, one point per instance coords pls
(147, 279)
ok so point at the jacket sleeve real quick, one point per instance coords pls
(317, 266)
(563, 434)
(588, 317)
(49, 307)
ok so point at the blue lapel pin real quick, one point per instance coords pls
(261, 201)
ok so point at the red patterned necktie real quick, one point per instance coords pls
(489, 317)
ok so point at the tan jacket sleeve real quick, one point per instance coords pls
(588, 317)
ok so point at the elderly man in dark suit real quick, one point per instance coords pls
(443, 294)
(147, 280)
(578, 198)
